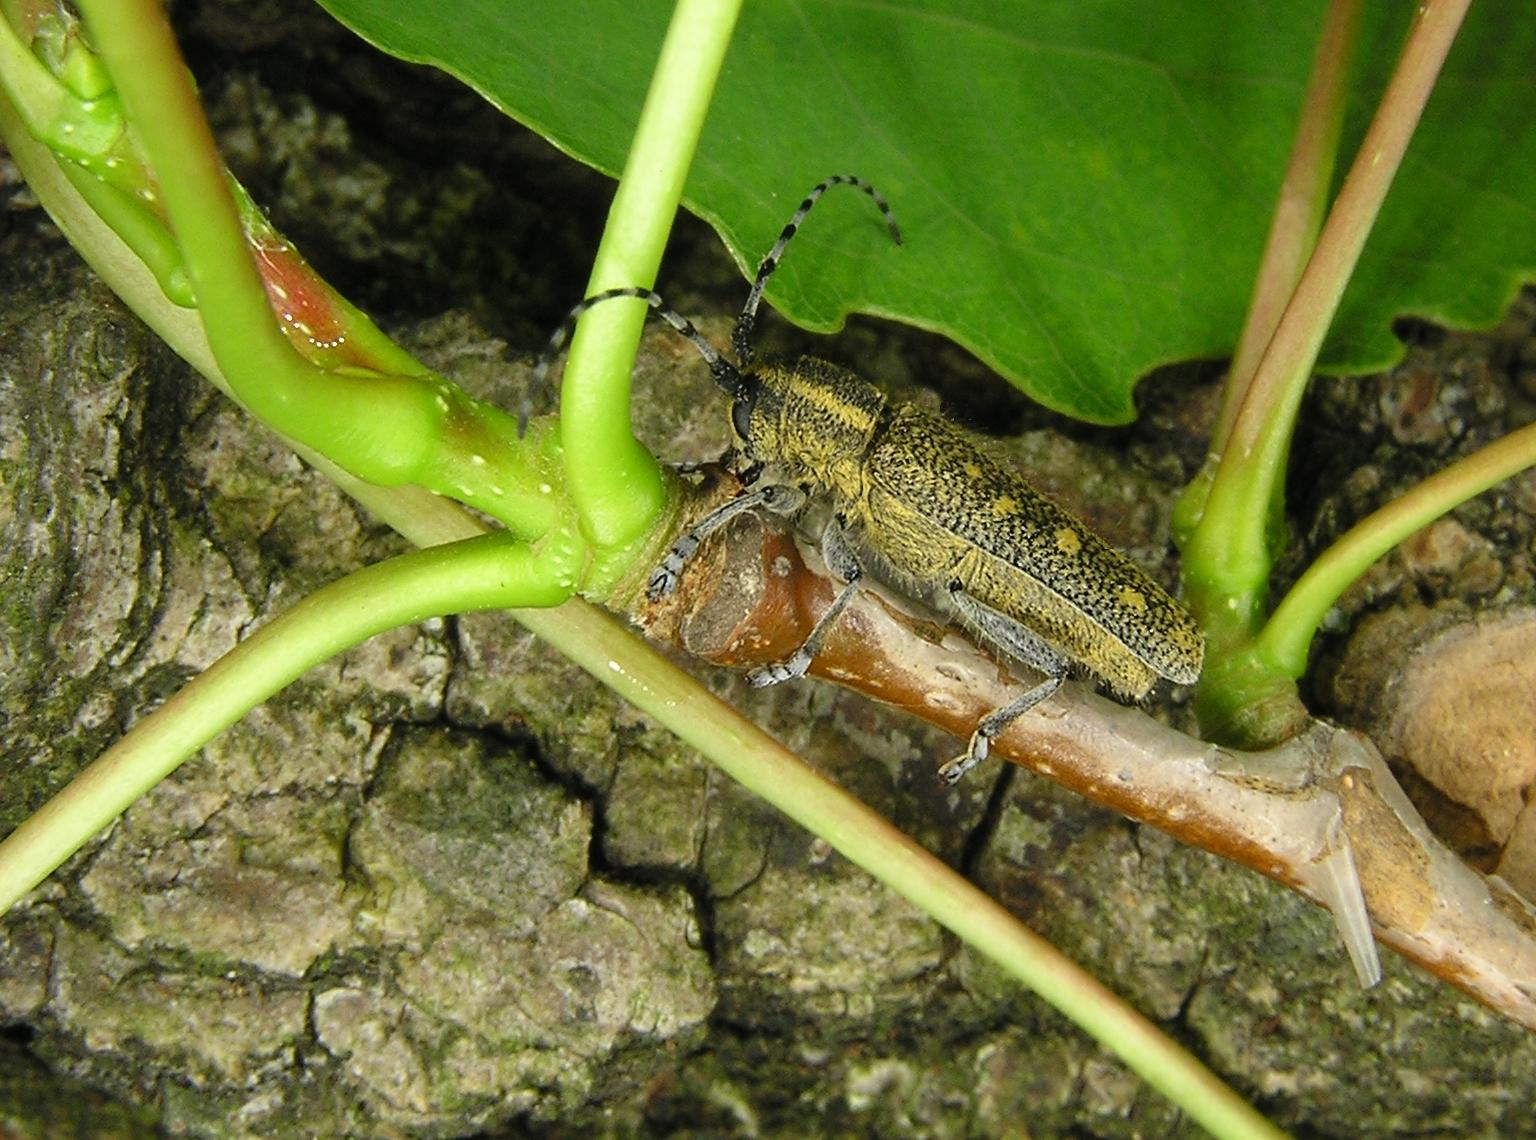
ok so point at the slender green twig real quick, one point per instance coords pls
(1287, 636)
(52, 111)
(87, 129)
(489, 572)
(1229, 553)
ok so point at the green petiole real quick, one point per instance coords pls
(615, 482)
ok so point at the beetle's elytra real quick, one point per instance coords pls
(922, 507)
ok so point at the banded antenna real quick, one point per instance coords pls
(727, 375)
(741, 338)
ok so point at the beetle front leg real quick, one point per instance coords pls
(844, 563)
(780, 498)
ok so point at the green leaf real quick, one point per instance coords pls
(1085, 185)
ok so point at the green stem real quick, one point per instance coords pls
(1287, 637)
(135, 41)
(489, 572)
(51, 111)
(422, 517)
(141, 228)
(1228, 556)
(615, 482)
(1300, 208)
(90, 136)
(386, 428)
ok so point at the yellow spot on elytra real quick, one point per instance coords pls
(971, 470)
(1005, 505)
(1068, 541)
(1132, 599)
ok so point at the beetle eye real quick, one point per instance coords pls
(741, 413)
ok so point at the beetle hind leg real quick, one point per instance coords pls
(1019, 643)
(992, 726)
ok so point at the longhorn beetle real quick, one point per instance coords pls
(930, 513)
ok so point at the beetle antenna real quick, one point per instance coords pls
(726, 374)
(741, 338)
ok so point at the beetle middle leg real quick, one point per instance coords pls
(1019, 643)
(844, 563)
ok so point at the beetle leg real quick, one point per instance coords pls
(843, 562)
(1019, 643)
(780, 498)
(991, 727)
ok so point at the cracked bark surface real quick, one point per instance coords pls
(449, 884)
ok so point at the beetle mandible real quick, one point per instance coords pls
(918, 504)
